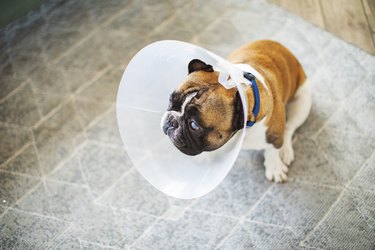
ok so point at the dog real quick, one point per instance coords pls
(203, 115)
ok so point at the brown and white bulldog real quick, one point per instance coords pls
(203, 115)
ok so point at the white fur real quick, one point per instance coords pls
(276, 161)
(297, 112)
(255, 137)
(176, 113)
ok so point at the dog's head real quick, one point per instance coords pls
(202, 114)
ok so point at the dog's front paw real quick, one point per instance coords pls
(276, 171)
(287, 153)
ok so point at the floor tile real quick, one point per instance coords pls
(311, 165)
(25, 46)
(342, 71)
(60, 66)
(67, 202)
(69, 14)
(19, 230)
(47, 102)
(349, 225)
(93, 246)
(89, 111)
(70, 171)
(102, 226)
(294, 205)
(57, 40)
(104, 88)
(359, 109)
(257, 236)
(81, 66)
(65, 241)
(55, 142)
(365, 179)
(9, 80)
(101, 11)
(20, 108)
(49, 79)
(24, 163)
(120, 46)
(105, 129)
(12, 140)
(193, 231)
(333, 142)
(137, 19)
(226, 39)
(321, 111)
(196, 16)
(134, 193)
(240, 190)
(102, 166)
(13, 187)
(292, 38)
(2, 210)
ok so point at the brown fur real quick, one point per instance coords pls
(283, 75)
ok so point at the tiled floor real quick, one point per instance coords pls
(67, 183)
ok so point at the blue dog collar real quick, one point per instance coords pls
(256, 107)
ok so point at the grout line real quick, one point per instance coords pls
(212, 214)
(89, 99)
(109, 189)
(73, 47)
(94, 121)
(20, 174)
(66, 159)
(79, 118)
(68, 183)
(364, 164)
(105, 144)
(14, 91)
(125, 210)
(345, 188)
(340, 108)
(231, 232)
(243, 217)
(89, 35)
(6, 209)
(85, 179)
(316, 184)
(51, 241)
(93, 79)
(323, 217)
(144, 232)
(27, 193)
(271, 225)
(51, 113)
(37, 157)
(16, 126)
(37, 214)
(118, 14)
(15, 155)
(96, 244)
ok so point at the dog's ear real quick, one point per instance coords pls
(197, 65)
(238, 116)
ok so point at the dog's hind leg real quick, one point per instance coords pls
(297, 112)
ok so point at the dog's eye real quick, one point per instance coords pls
(194, 125)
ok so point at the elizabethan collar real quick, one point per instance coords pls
(150, 77)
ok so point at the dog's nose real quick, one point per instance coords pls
(170, 124)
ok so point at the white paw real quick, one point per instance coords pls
(287, 153)
(276, 171)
